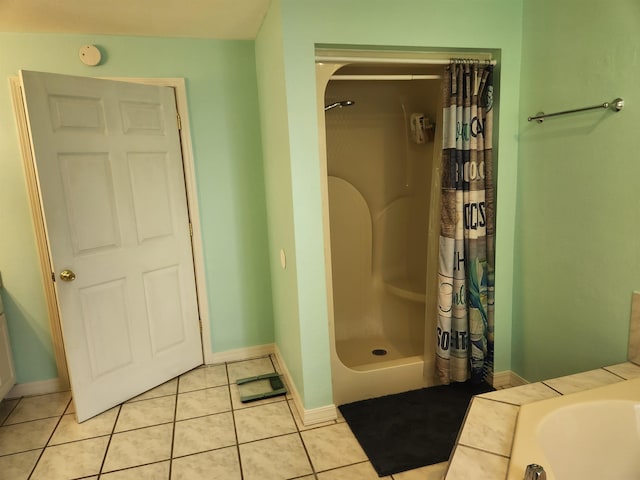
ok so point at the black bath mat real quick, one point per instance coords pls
(411, 429)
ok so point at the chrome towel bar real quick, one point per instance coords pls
(617, 105)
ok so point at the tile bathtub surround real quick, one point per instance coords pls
(483, 448)
(190, 428)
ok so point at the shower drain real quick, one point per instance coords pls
(379, 351)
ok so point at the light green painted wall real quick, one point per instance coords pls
(273, 115)
(578, 199)
(424, 24)
(223, 108)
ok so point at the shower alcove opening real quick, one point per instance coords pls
(381, 215)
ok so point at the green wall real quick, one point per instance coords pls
(493, 25)
(273, 115)
(577, 251)
(223, 107)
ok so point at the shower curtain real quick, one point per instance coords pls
(467, 226)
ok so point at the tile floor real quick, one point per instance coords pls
(192, 427)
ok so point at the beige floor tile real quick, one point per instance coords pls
(431, 472)
(26, 436)
(203, 402)
(214, 465)
(203, 377)
(146, 413)
(249, 368)
(19, 465)
(6, 406)
(203, 433)
(167, 388)
(264, 421)
(274, 459)
(139, 447)
(71, 408)
(71, 460)
(41, 406)
(155, 471)
(359, 471)
(332, 447)
(68, 430)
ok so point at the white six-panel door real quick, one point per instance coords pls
(111, 180)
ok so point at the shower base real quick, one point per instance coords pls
(366, 353)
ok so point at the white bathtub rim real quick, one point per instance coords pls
(526, 449)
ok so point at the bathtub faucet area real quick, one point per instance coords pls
(535, 472)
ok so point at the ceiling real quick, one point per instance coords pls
(224, 19)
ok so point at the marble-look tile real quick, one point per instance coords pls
(167, 388)
(26, 436)
(41, 406)
(470, 463)
(582, 381)
(203, 402)
(19, 465)
(332, 447)
(154, 471)
(68, 430)
(625, 370)
(430, 472)
(6, 407)
(146, 413)
(633, 353)
(71, 460)
(237, 403)
(301, 426)
(358, 471)
(264, 421)
(139, 447)
(203, 377)
(523, 394)
(203, 433)
(489, 426)
(221, 464)
(249, 368)
(274, 458)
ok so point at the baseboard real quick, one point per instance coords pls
(311, 416)
(507, 378)
(239, 354)
(42, 387)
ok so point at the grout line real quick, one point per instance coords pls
(233, 417)
(106, 451)
(11, 411)
(304, 446)
(173, 425)
(35, 465)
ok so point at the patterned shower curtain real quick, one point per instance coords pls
(467, 228)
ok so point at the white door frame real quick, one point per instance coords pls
(179, 87)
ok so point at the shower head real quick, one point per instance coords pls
(343, 103)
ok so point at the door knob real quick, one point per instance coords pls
(67, 275)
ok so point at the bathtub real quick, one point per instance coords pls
(591, 435)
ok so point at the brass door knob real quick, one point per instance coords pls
(67, 275)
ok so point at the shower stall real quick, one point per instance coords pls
(379, 141)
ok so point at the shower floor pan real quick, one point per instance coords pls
(374, 352)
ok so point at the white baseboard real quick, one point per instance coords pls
(507, 378)
(311, 416)
(239, 354)
(42, 387)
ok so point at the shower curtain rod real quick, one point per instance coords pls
(408, 61)
(386, 77)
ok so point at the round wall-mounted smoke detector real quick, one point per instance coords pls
(90, 55)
